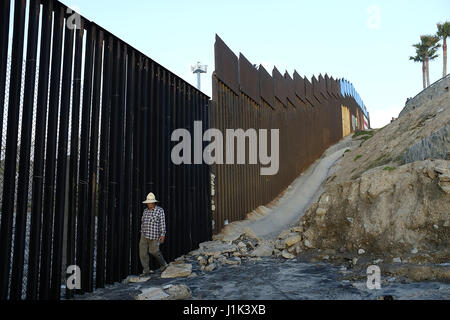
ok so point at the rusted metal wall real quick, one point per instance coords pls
(307, 113)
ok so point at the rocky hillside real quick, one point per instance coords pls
(391, 194)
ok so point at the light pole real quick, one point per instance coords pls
(199, 69)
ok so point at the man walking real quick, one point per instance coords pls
(153, 232)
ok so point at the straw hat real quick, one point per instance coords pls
(150, 198)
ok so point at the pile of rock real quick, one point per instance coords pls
(289, 243)
(214, 253)
(248, 246)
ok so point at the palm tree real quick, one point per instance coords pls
(429, 44)
(420, 57)
(444, 32)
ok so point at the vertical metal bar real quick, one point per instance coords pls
(4, 40)
(226, 172)
(213, 114)
(243, 103)
(196, 180)
(157, 131)
(11, 147)
(50, 165)
(135, 232)
(154, 160)
(104, 169)
(230, 213)
(162, 185)
(143, 117)
(259, 181)
(223, 180)
(121, 168)
(185, 169)
(61, 179)
(200, 184)
(151, 129)
(239, 167)
(82, 221)
(171, 195)
(93, 159)
(265, 121)
(167, 165)
(232, 167)
(205, 179)
(208, 171)
(220, 168)
(112, 233)
(190, 187)
(24, 165)
(74, 144)
(193, 169)
(179, 195)
(155, 143)
(128, 161)
(189, 127)
(246, 169)
(49, 187)
(38, 164)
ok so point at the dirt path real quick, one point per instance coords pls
(268, 222)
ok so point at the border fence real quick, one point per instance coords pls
(308, 115)
(86, 123)
(82, 151)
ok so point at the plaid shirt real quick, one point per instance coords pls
(153, 223)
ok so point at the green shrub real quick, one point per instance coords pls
(363, 133)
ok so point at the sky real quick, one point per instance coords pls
(367, 42)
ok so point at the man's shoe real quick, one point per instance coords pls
(164, 267)
(146, 274)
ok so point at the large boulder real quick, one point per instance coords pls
(153, 293)
(264, 249)
(177, 271)
(217, 247)
(293, 240)
(170, 292)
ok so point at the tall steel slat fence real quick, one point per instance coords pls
(307, 113)
(86, 123)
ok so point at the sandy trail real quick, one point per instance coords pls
(267, 222)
